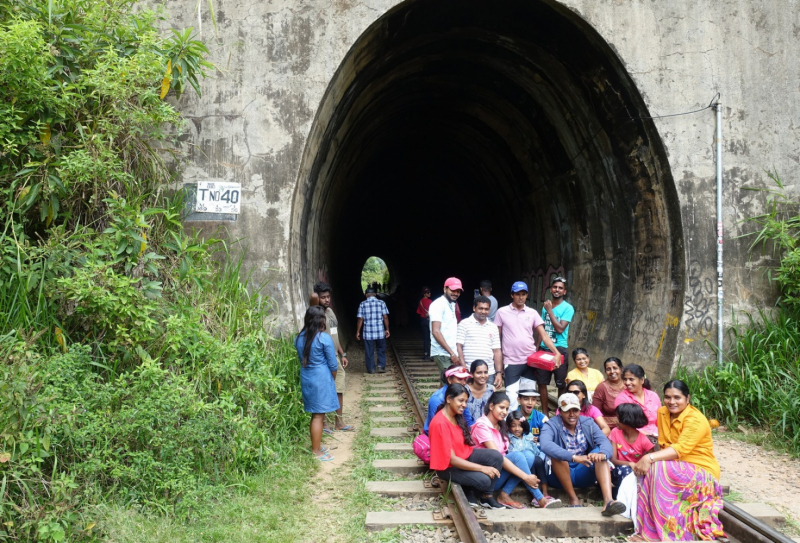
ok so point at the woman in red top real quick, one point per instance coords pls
(425, 321)
(453, 454)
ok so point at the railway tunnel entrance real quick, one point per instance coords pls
(501, 141)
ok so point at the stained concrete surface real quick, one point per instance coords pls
(487, 139)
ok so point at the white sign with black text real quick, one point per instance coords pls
(218, 197)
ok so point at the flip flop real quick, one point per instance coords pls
(327, 431)
(512, 504)
(614, 508)
(553, 503)
(324, 457)
(347, 428)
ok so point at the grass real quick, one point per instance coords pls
(266, 508)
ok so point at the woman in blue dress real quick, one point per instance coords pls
(317, 375)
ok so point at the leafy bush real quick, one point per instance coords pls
(136, 363)
(759, 382)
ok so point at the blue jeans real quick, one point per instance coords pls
(507, 482)
(581, 476)
(370, 345)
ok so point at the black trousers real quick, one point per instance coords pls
(425, 328)
(475, 480)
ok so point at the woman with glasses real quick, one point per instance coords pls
(679, 495)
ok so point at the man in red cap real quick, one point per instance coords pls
(444, 325)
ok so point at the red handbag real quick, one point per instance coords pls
(543, 360)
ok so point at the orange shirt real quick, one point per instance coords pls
(690, 436)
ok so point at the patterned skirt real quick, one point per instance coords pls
(679, 502)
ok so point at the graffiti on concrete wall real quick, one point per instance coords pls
(699, 304)
(539, 282)
(647, 268)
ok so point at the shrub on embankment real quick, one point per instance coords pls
(134, 361)
(759, 382)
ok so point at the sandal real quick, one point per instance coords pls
(327, 431)
(511, 504)
(614, 508)
(326, 457)
(347, 428)
(553, 503)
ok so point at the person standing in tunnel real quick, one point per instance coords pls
(323, 292)
(444, 325)
(425, 321)
(556, 314)
(518, 325)
(373, 317)
(486, 290)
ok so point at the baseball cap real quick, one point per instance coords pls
(568, 401)
(527, 387)
(519, 286)
(460, 372)
(453, 283)
(370, 290)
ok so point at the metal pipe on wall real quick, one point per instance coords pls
(720, 229)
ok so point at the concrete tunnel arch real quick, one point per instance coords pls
(502, 141)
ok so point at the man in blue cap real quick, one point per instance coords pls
(517, 323)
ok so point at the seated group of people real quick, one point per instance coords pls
(658, 460)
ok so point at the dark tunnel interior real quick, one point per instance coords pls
(496, 141)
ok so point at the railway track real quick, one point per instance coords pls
(403, 392)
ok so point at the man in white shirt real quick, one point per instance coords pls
(479, 339)
(444, 325)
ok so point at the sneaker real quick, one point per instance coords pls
(471, 499)
(490, 503)
(381, 370)
(370, 371)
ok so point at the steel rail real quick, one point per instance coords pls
(464, 519)
(750, 528)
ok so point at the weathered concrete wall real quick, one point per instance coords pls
(277, 58)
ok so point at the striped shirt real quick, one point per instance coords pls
(478, 341)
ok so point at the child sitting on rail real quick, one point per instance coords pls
(521, 440)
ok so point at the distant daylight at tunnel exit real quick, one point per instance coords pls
(504, 142)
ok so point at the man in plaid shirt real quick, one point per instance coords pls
(373, 317)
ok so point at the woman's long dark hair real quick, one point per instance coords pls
(454, 390)
(494, 399)
(313, 323)
(637, 371)
(582, 387)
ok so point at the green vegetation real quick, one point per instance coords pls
(375, 271)
(136, 370)
(759, 382)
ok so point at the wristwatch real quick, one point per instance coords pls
(344, 355)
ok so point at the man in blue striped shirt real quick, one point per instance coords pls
(373, 317)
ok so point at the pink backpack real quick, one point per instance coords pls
(422, 448)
